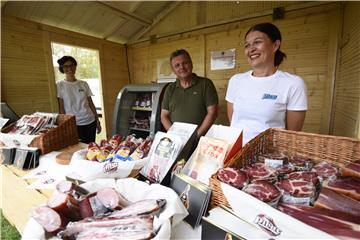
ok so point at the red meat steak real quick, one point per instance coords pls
(233, 177)
(325, 170)
(260, 171)
(262, 190)
(297, 187)
(306, 176)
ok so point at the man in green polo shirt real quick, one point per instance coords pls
(191, 99)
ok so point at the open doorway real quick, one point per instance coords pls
(88, 69)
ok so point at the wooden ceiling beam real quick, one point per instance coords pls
(169, 8)
(126, 15)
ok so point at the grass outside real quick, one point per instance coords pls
(8, 231)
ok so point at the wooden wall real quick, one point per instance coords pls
(27, 77)
(346, 116)
(309, 40)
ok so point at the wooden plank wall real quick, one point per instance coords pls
(347, 95)
(308, 40)
(27, 77)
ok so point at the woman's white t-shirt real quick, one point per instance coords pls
(260, 103)
(75, 94)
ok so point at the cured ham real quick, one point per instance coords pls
(49, 219)
(297, 187)
(66, 205)
(71, 188)
(148, 206)
(348, 186)
(325, 170)
(336, 223)
(133, 223)
(260, 171)
(334, 201)
(91, 206)
(306, 176)
(273, 159)
(301, 163)
(112, 199)
(351, 169)
(113, 233)
(233, 177)
(262, 190)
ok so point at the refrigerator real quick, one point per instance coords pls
(137, 110)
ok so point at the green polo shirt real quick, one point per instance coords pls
(190, 104)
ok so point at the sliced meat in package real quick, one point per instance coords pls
(336, 223)
(332, 200)
(348, 186)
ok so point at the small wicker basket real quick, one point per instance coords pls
(336, 150)
(65, 134)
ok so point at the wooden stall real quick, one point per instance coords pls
(321, 40)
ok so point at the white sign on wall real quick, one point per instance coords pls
(164, 71)
(223, 59)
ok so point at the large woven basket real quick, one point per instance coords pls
(336, 150)
(65, 134)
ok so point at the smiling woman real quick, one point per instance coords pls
(265, 97)
(74, 97)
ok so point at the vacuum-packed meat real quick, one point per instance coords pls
(262, 190)
(325, 170)
(336, 223)
(306, 176)
(334, 201)
(348, 186)
(301, 163)
(113, 233)
(260, 171)
(351, 169)
(91, 206)
(233, 177)
(66, 205)
(273, 159)
(297, 187)
(131, 223)
(49, 219)
(148, 206)
(71, 188)
(112, 199)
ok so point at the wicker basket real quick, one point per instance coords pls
(65, 134)
(335, 150)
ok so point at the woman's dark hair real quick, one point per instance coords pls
(63, 60)
(178, 53)
(274, 34)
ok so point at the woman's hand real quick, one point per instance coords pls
(98, 127)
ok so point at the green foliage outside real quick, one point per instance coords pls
(8, 232)
(87, 61)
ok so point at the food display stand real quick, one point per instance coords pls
(137, 110)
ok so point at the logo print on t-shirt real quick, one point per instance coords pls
(195, 93)
(269, 96)
(81, 90)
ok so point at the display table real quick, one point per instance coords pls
(16, 198)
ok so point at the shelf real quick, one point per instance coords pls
(139, 129)
(142, 109)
